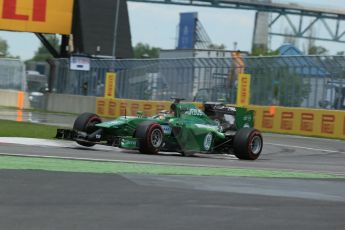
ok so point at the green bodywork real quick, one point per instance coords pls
(187, 129)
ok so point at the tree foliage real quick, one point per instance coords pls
(42, 54)
(142, 50)
(217, 47)
(3, 48)
(259, 51)
(281, 87)
(317, 50)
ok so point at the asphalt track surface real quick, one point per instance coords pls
(58, 200)
(280, 152)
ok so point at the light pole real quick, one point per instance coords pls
(116, 25)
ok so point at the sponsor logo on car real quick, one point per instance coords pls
(166, 129)
(194, 112)
(208, 141)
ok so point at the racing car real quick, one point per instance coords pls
(186, 129)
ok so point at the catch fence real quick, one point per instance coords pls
(12, 74)
(292, 81)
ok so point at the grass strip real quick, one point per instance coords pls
(60, 165)
(26, 129)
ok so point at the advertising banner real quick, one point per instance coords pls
(295, 121)
(80, 63)
(110, 80)
(243, 90)
(38, 16)
(300, 121)
(187, 29)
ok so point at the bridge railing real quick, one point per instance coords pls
(292, 81)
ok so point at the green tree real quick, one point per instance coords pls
(278, 86)
(260, 51)
(3, 48)
(217, 47)
(142, 50)
(42, 54)
(317, 50)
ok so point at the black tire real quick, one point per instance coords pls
(248, 144)
(150, 135)
(86, 123)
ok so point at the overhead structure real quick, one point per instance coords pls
(261, 30)
(191, 33)
(102, 28)
(327, 17)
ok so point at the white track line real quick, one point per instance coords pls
(306, 148)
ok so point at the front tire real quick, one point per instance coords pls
(86, 123)
(248, 144)
(150, 135)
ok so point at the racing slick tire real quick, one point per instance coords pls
(248, 144)
(150, 135)
(86, 123)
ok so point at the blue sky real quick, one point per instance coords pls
(156, 24)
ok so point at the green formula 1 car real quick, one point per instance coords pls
(185, 129)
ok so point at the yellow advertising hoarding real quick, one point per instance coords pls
(110, 107)
(40, 16)
(110, 80)
(296, 121)
(243, 90)
(300, 121)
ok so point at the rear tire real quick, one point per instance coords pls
(86, 123)
(150, 135)
(248, 144)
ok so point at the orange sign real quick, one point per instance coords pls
(123, 109)
(40, 16)
(327, 125)
(147, 109)
(287, 120)
(243, 90)
(267, 120)
(112, 108)
(307, 122)
(344, 127)
(100, 107)
(110, 85)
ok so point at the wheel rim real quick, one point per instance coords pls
(156, 138)
(90, 127)
(256, 145)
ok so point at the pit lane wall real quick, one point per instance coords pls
(296, 121)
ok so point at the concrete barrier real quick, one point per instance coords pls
(71, 103)
(10, 98)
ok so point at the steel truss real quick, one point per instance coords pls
(281, 10)
(301, 30)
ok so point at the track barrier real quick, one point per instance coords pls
(295, 121)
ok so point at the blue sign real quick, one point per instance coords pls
(187, 29)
